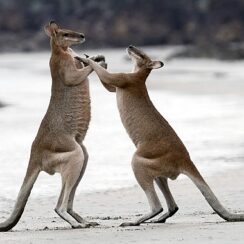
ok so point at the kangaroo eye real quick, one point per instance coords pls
(66, 34)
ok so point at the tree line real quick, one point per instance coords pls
(110, 23)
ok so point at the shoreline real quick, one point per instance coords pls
(193, 222)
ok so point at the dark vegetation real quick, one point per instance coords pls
(211, 28)
(2, 105)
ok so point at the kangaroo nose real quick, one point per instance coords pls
(82, 36)
(131, 46)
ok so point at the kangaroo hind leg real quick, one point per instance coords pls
(70, 173)
(72, 194)
(145, 180)
(162, 183)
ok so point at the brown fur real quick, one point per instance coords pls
(160, 154)
(58, 146)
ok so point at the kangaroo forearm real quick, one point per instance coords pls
(75, 77)
(111, 79)
(110, 88)
(102, 73)
(84, 72)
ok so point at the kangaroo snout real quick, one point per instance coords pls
(161, 63)
(81, 36)
(130, 48)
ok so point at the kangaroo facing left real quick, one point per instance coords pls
(58, 146)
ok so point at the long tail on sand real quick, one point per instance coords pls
(24, 193)
(198, 180)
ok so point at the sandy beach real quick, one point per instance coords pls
(194, 222)
(203, 101)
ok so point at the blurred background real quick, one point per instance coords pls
(200, 90)
(214, 27)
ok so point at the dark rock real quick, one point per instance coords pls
(227, 52)
(2, 105)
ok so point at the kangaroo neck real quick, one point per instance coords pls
(56, 49)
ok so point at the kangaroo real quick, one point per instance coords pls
(58, 146)
(160, 154)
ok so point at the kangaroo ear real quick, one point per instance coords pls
(51, 29)
(155, 65)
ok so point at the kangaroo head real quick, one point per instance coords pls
(141, 60)
(62, 37)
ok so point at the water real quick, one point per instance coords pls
(202, 99)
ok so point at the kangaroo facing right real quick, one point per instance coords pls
(160, 153)
(58, 146)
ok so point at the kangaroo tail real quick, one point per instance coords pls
(198, 180)
(25, 190)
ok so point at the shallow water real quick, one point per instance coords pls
(202, 99)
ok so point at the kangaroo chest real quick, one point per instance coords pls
(77, 110)
(133, 112)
